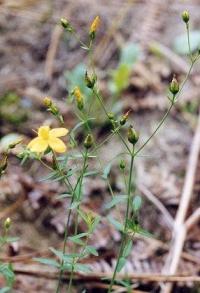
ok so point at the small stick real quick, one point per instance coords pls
(180, 226)
(94, 276)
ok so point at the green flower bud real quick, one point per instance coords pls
(66, 25)
(185, 16)
(124, 118)
(174, 86)
(88, 142)
(7, 224)
(111, 116)
(90, 80)
(64, 22)
(14, 143)
(122, 165)
(133, 135)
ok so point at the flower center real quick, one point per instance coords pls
(44, 132)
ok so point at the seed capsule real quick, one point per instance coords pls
(90, 80)
(174, 86)
(7, 224)
(88, 142)
(133, 135)
(122, 165)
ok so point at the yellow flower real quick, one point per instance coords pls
(48, 138)
(95, 24)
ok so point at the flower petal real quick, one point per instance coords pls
(57, 145)
(43, 132)
(57, 132)
(38, 145)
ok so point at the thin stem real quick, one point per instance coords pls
(156, 130)
(79, 40)
(46, 165)
(105, 111)
(188, 40)
(77, 214)
(106, 139)
(66, 234)
(100, 163)
(125, 222)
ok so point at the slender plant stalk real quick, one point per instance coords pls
(188, 40)
(156, 129)
(125, 222)
(66, 234)
(77, 214)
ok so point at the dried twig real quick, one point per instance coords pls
(97, 276)
(180, 226)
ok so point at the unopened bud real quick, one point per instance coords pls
(93, 27)
(174, 86)
(66, 25)
(133, 135)
(111, 116)
(64, 22)
(47, 102)
(122, 165)
(14, 143)
(88, 142)
(7, 224)
(124, 118)
(185, 16)
(90, 80)
(79, 97)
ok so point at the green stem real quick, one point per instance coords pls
(77, 214)
(125, 222)
(188, 40)
(106, 113)
(66, 234)
(100, 163)
(156, 130)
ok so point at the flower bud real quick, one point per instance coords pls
(7, 224)
(122, 165)
(111, 116)
(185, 16)
(14, 143)
(64, 22)
(93, 27)
(47, 102)
(133, 135)
(124, 118)
(88, 142)
(90, 80)
(174, 86)
(66, 25)
(79, 98)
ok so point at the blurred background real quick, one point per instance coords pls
(138, 48)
